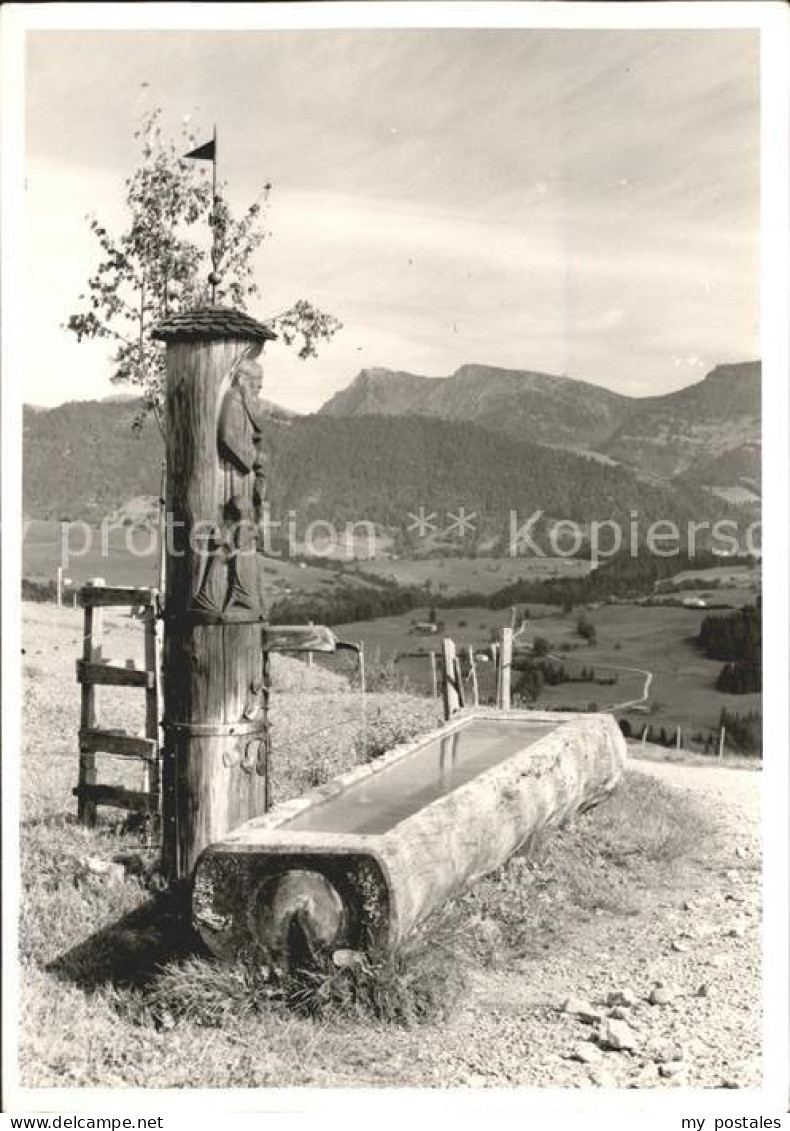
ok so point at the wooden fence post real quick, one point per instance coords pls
(361, 662)
(721, 743)
(679, 738)
(473, 674)
(503, 671)
(153, 708)
(449, 690)
(214, 771)
(59, 587)
(162, 531)
(91, 654)
(459, 682)
(434, 681)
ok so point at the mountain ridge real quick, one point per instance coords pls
(83, 461)
(662, 435)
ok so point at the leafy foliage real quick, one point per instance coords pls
(159, 265)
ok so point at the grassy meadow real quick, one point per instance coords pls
(131, 557)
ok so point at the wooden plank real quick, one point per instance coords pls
(113, 675)
(92, 597)
(94, 740)
(299, 638)
(117, 797)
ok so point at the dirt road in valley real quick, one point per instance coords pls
(648, 677)
(645, 690)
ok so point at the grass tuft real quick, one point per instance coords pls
(203, 992)
(386, 726)
(598, 864)
(650, 822)
(422, 981)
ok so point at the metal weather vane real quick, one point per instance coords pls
(208, 152)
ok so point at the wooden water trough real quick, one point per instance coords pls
(359, 862)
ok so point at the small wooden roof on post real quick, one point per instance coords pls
(212, 324)
(215, 767)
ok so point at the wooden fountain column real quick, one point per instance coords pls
(214, 773)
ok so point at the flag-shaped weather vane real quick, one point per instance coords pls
(208, 152)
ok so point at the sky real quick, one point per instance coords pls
(577, 202)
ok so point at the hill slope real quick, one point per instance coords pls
(82, 460)
(697, 430)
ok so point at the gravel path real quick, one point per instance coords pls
(731, 796)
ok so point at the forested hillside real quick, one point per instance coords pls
(83, 461)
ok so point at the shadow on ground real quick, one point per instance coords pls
(131, 952)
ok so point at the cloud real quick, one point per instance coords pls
(582, 202)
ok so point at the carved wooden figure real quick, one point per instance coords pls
(216, 685)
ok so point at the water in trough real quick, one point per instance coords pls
(381, 801)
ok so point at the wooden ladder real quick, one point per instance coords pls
(94, 671)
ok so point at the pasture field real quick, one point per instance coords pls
(659, 640)
(132, 558)
(631, 640)
(448, 576)
(731, 577)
